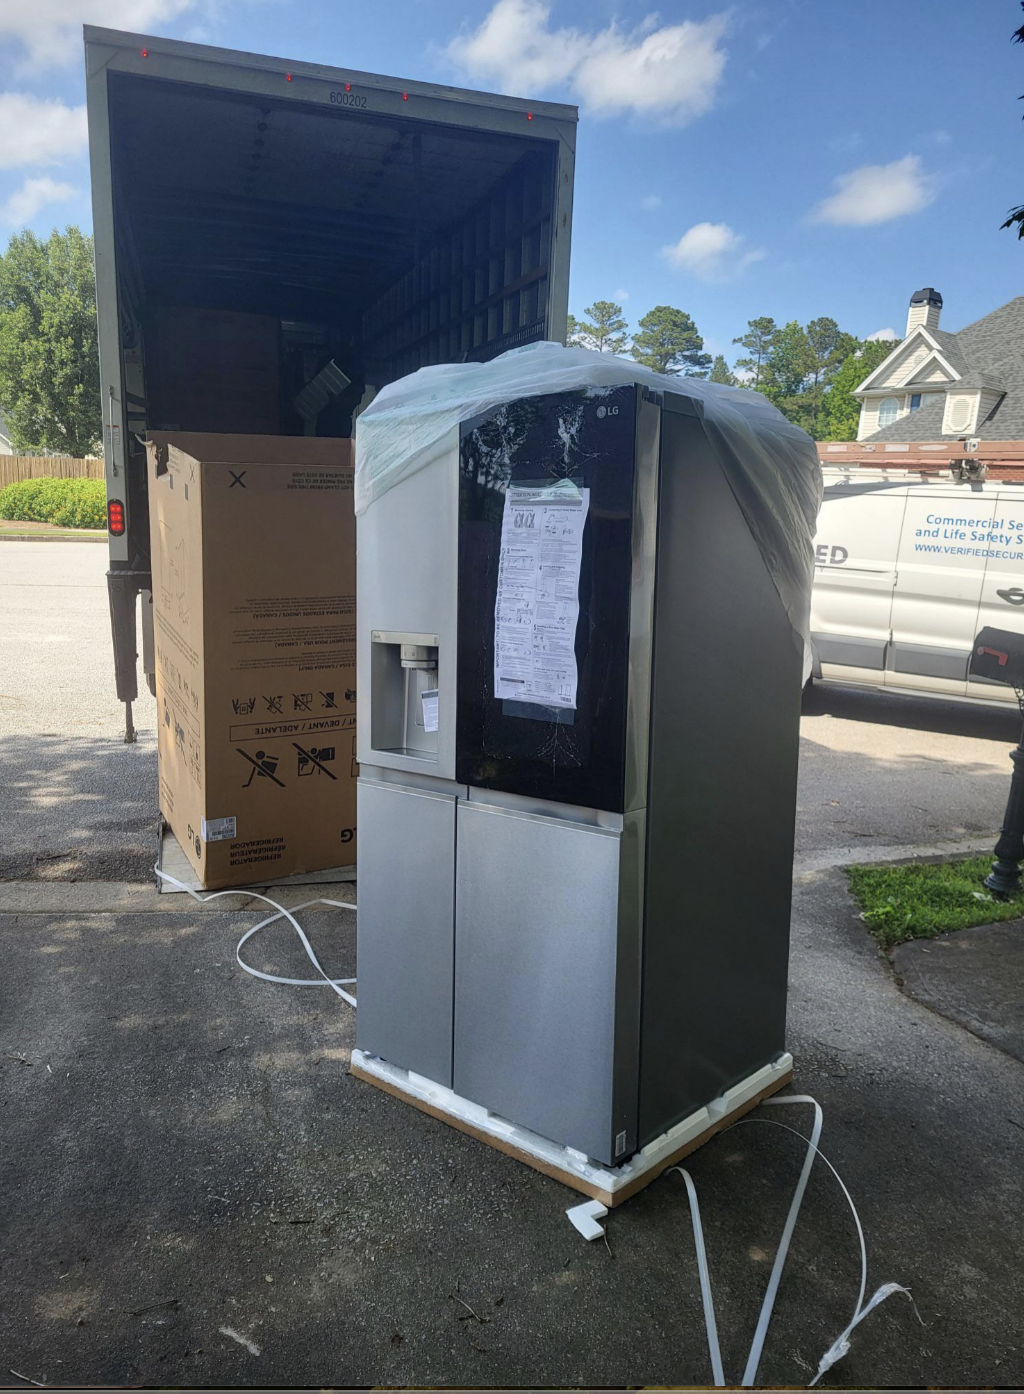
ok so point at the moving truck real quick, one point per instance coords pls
(275, 241)
(909, 569)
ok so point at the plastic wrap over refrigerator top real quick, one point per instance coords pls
(771, 465)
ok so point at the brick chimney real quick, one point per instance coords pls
(925, 308)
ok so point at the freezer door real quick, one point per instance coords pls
(404, 943)
(546, 987)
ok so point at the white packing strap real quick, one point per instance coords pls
(841, 1345)
(710, 1324)
(337, 984)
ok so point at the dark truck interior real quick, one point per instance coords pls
(278, 262)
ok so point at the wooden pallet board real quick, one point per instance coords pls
(567, 1178)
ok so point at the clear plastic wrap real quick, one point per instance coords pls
(771, 465)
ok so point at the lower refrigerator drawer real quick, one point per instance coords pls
(546, 978)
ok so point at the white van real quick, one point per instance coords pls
(908, 569)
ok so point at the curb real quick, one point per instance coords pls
(82, 536)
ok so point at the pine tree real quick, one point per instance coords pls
(604, 329)
(758, 343)
(668, 342)
(720, 372)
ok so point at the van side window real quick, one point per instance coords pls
(888, 411)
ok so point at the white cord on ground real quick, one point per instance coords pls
(337, 984)
(841, 1345)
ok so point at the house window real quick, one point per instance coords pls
(915, 400)
(888, 411)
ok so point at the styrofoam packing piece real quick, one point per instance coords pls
(585, 1218)
(336, 984)
(771, 465)
(610, 1179)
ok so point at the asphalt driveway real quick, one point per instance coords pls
(197, 1193)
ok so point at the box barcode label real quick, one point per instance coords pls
(217, 829)
(620, 1142)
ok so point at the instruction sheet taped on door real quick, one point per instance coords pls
(538, 606)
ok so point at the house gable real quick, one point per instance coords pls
(933, 368)
(901, 365)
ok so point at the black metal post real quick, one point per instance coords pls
(1004, 879)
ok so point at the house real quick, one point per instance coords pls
(935, 385)
(6, 448)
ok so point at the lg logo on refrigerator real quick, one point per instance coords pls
(602, 412)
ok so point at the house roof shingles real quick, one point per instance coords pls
(990, 354)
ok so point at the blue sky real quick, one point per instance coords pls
(792, 158)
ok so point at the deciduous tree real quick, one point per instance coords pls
(49, 368)
(1016, 218)
(840, 414)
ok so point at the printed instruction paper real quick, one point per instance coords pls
(430, 710)
(538, 601)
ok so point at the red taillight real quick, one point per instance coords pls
(115, 518)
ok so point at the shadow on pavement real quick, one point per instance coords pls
(76, 808)
(881, 708)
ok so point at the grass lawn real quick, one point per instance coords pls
(918, 902)
(22, 530)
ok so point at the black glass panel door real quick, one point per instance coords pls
(558, 445)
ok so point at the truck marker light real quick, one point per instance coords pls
(145, 53)
(405, 96)
(348, 87)
(115, 518)
(287, 77)
(529, 116)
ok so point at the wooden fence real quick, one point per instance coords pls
(15, 467)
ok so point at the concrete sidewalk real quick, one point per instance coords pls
(973, 976)
(185, 1154)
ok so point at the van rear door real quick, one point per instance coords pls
(854, 575)
(940, 570)
(1002, 591)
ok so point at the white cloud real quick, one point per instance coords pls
(712, 252)
(620, 296)
(34, 194)
(941, 137)
(878, 193)
(887, 333)
(671, 72)
(51, 30)
(39, 130)
(651, 202)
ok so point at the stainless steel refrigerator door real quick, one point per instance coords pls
(543, 985)
(405, 937)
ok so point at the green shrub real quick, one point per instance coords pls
(67, 503)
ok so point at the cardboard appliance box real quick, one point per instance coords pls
(253, 553)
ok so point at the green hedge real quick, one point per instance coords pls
(68, 503)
